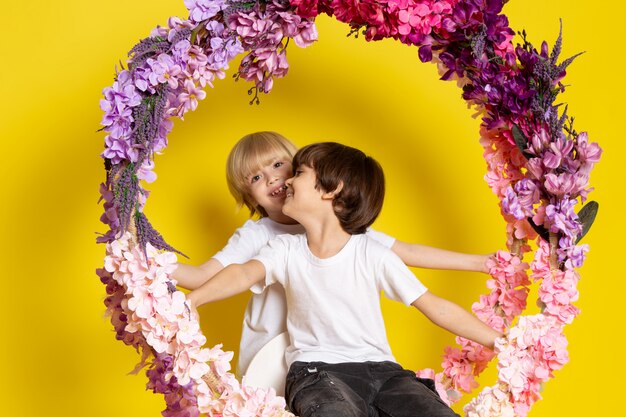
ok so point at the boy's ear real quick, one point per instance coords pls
(330, 195)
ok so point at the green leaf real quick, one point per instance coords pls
(586, 216)
(520, 140)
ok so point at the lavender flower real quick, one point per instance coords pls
(147, 234)
(125, 190)
(117, 120)
(223, 46)
(562, 218)
(511, 204)
(200, 10)
(147, 48)
(147, 118)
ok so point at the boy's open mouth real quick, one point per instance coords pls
(280, 191)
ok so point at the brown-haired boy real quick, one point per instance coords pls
(339, 357)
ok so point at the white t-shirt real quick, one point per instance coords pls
(333, 304)
(266, 313)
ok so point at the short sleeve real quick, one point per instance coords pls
(397, 281)
(382, 238)
(274, 257)
(243, 245)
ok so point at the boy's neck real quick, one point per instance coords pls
(326, 239)
(281, 218)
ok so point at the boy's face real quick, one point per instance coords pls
(267, 186)
(302, 197)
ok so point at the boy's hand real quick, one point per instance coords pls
(486, 262)
(191, 306)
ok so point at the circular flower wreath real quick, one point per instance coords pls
(538, 166)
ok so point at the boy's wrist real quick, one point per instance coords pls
(484, 268)
(192, 300)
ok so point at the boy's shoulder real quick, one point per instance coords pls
(375, 251)
(370, 243)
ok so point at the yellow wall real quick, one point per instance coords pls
(59, 354)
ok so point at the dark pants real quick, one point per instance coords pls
(361, 389)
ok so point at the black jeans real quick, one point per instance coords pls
(361, 389)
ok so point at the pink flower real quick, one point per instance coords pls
(189, 98)
(565, 184)
(557, 293)
(588, 153)
(492, 401)
(559, 150)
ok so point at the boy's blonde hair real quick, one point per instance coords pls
(250, 153)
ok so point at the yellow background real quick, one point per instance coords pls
(59, 355)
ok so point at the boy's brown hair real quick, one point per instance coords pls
(250, 153)
(360, 199)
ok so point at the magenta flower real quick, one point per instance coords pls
(305, 8)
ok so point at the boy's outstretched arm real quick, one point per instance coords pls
(422, 256)
(455, 319)
(232, 280)
(191, 277)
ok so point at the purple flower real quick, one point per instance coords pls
(562, 218)
(123, 93)
(119, 149)
(180, 52)
(528, 194)
(223, 46)
(200, 10)
(117, 104)
(164, 70)
(576, 256)
(180, 400)
(511, 204)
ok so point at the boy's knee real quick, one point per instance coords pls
(317, 394)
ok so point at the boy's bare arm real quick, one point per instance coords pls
(422, 256)
(232, 280)
(455, 319)
(191, 277)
